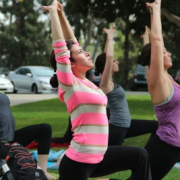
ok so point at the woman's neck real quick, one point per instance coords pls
(81, 75)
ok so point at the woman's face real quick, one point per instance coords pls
(167, 59)
(82, 58)
(115, 67)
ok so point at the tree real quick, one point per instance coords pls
(24, 40)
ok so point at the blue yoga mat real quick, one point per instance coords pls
(52, 165)
(175, 167)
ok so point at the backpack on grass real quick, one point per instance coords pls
(20, 162)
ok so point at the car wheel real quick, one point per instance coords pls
(34, 88)
(14, 88)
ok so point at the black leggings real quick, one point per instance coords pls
(116, 158)
(162, 157)
(137, 128)
(40, 132)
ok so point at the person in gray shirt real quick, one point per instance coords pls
(24, 136)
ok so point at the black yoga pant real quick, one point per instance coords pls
(116, 158)
(40, 132)
(137, 128)
(162, 157)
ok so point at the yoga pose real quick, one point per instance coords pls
(164, 147)
(26, 135)
(88, 154)
(120, 124)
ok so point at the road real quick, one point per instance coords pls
(16, 99)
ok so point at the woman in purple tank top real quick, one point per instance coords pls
(164, 147)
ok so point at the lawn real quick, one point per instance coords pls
(55, 113)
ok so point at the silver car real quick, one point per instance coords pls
(5, 84)
(32, 78)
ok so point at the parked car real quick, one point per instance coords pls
(139, 78)
(5, 84)
(32, 78)
(177, 78)
(95, 79)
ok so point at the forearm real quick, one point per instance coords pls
(66, 28)
(109, 49)
(146, 39)
(156, 27)
(55, 25)
(105, 49)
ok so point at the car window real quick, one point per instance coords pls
(21, 71)
(43, 72)
(140, 68)
(27, 71)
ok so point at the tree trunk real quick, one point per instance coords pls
(126, 53)
(91, 22)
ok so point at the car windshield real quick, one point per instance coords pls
(43, 72)
(141, 68)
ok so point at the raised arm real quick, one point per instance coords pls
(107, 73)
(159, 85)
(146, 36)
(55, 25)
(156, 70)
(66, 28)
(62, 54)
(146, 40)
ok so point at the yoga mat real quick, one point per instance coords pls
(50, 164)
(177, 167)
(53, 165)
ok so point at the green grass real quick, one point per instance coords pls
(55, 113)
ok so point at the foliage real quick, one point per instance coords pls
(24, 39)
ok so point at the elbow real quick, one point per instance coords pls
(156, 38)
(109, 57)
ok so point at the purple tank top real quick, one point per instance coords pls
(168, 116)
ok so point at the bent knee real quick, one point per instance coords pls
(142, 152)
(46, 127)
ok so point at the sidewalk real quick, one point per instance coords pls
(16, 99)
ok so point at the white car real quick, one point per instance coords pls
(5, 84)
(32, 78)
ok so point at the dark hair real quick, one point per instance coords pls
(54, 80)
(145, 58)
(100, 63)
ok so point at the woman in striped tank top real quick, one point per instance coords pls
(164, 147)
(88, 154)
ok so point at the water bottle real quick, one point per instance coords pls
(4, 168)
